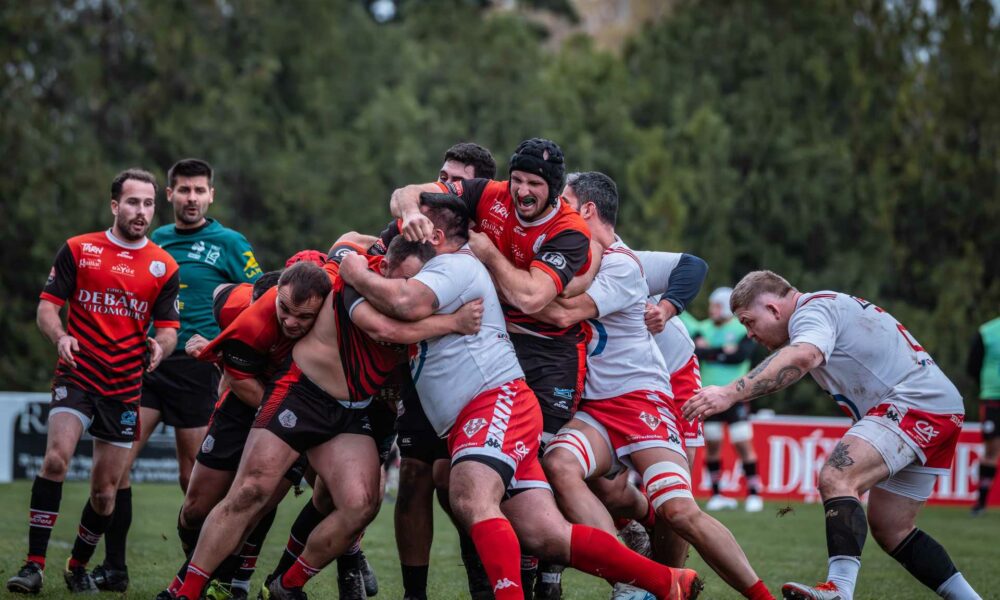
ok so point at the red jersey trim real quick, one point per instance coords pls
(167, 324)
(53, 299)
(537, 264)
(810, 299)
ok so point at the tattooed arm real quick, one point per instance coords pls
(776, 372)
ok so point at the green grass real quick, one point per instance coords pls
(787, 548)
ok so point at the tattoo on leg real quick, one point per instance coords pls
(839, 458)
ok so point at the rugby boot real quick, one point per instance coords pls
(109, 580)
(823, 591)
(351, 585)
(78, 580)
(636, 538)
(238, 593)
(368, 575)
(265, 593)
(624, 591)
(686, 585)
(480, 587)
(27, 581)
(166, 595)
(217, 590)
(280, 592)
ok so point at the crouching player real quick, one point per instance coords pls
(907, 414)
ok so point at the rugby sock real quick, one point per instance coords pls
(650, 519)
(227, 568)
(298, 574)
(753, 479)
(500, 553)
(194, 582)
(115, 538)
(92, 527)
(251, 550)
(714, 474)
(45, 498)
(415, 581)
(309, 517)
(549, 574)
(600, 554)
(846, 530)
(188, 536)
(350, 561)
(929, 563)
(957, 588)
(986, 475)
(529, 575)
(758, 591)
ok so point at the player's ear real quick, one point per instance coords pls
(114, 207)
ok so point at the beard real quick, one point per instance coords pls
(189, 218)
(126, 228)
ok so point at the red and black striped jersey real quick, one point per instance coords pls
(558, 243)
(230, 302)
(114, 289)
(252, 345)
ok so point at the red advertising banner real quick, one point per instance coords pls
(791, 451)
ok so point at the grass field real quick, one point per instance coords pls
(789, 547)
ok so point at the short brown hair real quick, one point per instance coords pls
(138, 174)
(401, 249)
(308, 280)
(756, 283)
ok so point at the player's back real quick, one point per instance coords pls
(870, 357)
(675, 344)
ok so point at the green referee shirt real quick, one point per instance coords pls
(208, 256)
(989, 374)
(731, 332)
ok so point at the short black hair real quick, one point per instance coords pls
(400, 249)
(596, 187)
(189, 167)
(484, 166)
(264, 282)
(134, 173)
(448, 213)
(307, 280)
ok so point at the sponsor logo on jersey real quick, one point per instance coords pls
(650, 421)
(473, 426)
(499, 209)
(925, 431)
(91, 249)
(488, 226)
(197, 249)
(340, 253)
(288, 419)
(503, 584)
(502, 410)
(126, 255)
(521, 449)
(893, 415)
(214, 252)
(520, 230)
(43, 519)
(538, 243)
(129, 418)
(110, 302)
(85, 263)
(157, 268)
(208, 444)
(123, 269)
(562, 405)
(566, 393)
(250, 267)
(52, 277)
(59, 392)
(555, 259)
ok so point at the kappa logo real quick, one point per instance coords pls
(925, 431)
(650, 421)
(123, 269)
(287, 419)
(473, 426)
(59, 393)
(91, 249)
(208, 444)
(555, 259)
(503, 584)
(538, 243)
(157, 268)
(893, 415)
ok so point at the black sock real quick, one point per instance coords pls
(986, 475)
(846, 526)
(529, 572)
(479, 581)
(92, 527)
(925, 559)
(753, 481)
(415, 581)
(347, 563)
(188, 536)
(549, 573)
(309, 517)
(115, 538)
(45, 498)
(714, 474)
(251, 548)
(227, 569)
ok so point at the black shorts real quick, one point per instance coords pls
(416, 436)
(383, 422)
(989, 415)
(736, 413)
(227, 434)
(183, 389)
(106, 419)
(304, 416)
(555, 369)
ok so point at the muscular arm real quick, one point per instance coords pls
(403, 299)
(564, 312)
(580, 283)
(383, 328)
(353, 237)
(250, 391)
(167, 339)
(49, 321)
(405, 204)
(528, 291)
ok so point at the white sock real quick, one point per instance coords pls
(844, 572)
(957, 588)
(240, 584)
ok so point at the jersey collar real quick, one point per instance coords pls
(130, 245)
(543, 220)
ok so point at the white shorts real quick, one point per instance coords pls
(907, 476)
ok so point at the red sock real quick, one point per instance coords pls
(622, 522)
(39, 560)
(650, 519)
(74, 563)
(601, 554)
(298, 574)
(497, 545)
(758, 591)
(194, 582)
(175, 585)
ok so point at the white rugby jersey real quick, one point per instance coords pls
(675, 345)
(621, 354)
(870, 358)
(658, 266)
(451, 370)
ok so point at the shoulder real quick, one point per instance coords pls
(568, 220)
(227, 234)
(94, 237)
(161, 233)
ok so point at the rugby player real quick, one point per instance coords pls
(183, 391)
(628, 418)
(907, 415)
(493, 422)
(984, 367)
(116, 282)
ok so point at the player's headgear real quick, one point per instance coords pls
(543, 158)
(313, 256)
(721, 297)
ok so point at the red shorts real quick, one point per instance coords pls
(635, 421)
(932, 436)
(684, 383)
(502, 428)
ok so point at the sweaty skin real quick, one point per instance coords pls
(318, 353)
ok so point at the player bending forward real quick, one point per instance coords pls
(907, 415)
(493, 423)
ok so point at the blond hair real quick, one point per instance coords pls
(755, 284)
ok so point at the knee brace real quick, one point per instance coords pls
(577, 444)
(666, 481)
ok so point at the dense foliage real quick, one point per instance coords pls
(850, 146)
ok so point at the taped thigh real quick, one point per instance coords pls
(576, 443)
(665, 481)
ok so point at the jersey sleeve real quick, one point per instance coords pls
(351, 298)
(381, 245)
(62, 278)
(342, 249)
(618, 284)
(469, 190)
(815, 323)
(241, 360)
(562, 257)
(165, 313)
(246, 267)
(658, 266)
(446, 278)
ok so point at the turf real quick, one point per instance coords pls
(790, 547)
